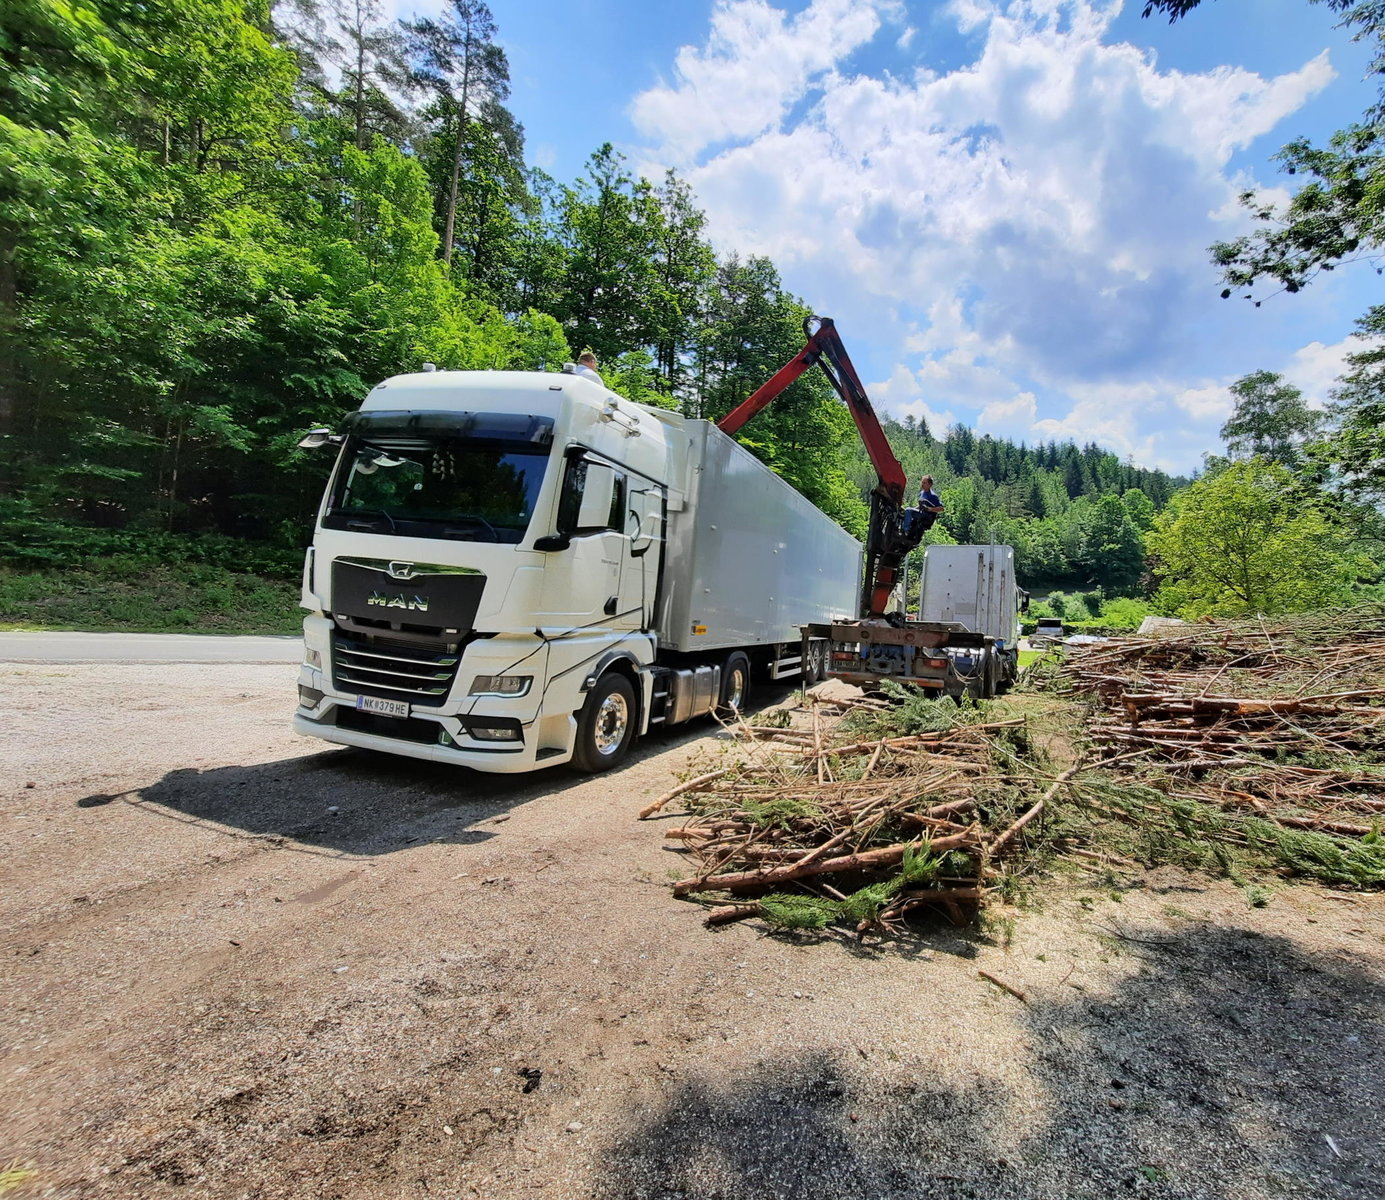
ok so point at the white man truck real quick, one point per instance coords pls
(516, 569)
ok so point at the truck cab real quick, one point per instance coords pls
(441, 623)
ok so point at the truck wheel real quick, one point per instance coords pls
(607, 724)
(815, 663)
(735, 684)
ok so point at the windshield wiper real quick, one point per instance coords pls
(471, 520)
(349, 513)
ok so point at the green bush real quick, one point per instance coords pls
(1124, 612)
(30, 539)
(125, 593)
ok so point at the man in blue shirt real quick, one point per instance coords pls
(930, 504)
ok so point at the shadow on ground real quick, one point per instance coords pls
(1217, 1071)
(351, 801)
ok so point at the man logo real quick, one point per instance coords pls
(401, 570)
(399, 600)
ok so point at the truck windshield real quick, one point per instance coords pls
(435, 483)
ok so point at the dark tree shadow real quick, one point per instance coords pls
(1217, 1072)
(362, 802)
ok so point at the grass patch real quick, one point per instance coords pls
(129, 594)
(12, 1175)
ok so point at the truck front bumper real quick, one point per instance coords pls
(447, 743)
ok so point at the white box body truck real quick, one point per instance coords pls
(973, 586)
(517, 569)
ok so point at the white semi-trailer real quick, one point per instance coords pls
(517, 569)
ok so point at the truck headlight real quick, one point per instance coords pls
(501, 685)
(313, 658)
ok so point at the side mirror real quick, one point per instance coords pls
(553, 541)
(317, 437)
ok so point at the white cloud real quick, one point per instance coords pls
(1034, 222)
(1015, 416)
(1315, 368)
(1212, 402)
(756, 63)
(901, 396)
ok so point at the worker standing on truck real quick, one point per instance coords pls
(586, 367)
(930, 504)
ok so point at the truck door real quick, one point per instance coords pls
(582, 583)
(644, 531)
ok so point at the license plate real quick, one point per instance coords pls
(385, 708)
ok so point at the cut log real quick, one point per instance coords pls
(690, 786)
(886, 856)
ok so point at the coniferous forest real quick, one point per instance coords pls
(223, 223)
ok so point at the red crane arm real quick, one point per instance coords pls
(887, 542)
(825, 349)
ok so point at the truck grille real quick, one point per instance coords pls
(376, 667)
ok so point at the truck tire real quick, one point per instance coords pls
(990, 675)
(735, 684)
(606, 726)
(815, 663)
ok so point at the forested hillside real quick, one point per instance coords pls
(224, 223)
(225, 230)
(1076, 517)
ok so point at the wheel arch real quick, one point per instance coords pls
(625, 663)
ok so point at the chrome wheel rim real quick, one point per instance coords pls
(612, 720)
(735, 689)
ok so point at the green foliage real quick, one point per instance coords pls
(1270, 420)
(1181, 830)
(789, 910)
(13, 1175)
(132, 593)
(1248, 541)
(782, 811)
(1050, 502)
(913, 711)
(922, 866)
(1124, 613)
(1355, 450)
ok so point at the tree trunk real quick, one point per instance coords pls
(450, 223)
(9, 326)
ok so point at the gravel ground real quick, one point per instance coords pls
(240, 964)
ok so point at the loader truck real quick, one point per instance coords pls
(517, 569)
(965, 640)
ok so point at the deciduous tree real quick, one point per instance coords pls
(1270, 420)
(1244, 542)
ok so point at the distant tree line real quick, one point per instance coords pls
(1076, 516)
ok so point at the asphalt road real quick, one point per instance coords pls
(146, 648)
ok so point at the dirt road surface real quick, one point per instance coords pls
(242, 964)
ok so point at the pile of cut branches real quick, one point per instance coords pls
(1263, 736)
(819, 825)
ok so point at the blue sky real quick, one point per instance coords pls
(1005, 204)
